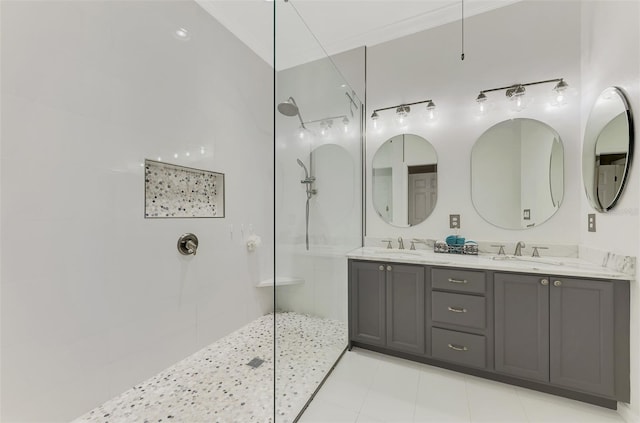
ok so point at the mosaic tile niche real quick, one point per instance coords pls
(178, 191)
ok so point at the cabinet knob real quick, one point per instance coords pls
(544, 282)
(389, 268)
(557, 283)
(381, 267)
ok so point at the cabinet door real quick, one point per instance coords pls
(367, 302)
(582, 331)
(522, 325)
(405, 308)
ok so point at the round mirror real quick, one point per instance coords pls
(607, 149)
(405, 183)
(517, 173)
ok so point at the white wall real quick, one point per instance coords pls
(502, 47)
(94, 297)
(611, 57)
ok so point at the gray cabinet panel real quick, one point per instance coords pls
(581, 335)
(521, 326)
(458, 280)
(458, 347)
(458, 309)
(367, 303)
(405, 308)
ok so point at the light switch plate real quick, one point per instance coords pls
(454, 221)
(591, 222)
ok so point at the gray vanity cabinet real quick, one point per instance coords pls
(521, 325)
(367, 292)
(405, 308)
(557, 330)
(387, 305)
(564, 335)
(581, 330)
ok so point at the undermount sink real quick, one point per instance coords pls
(538, 260)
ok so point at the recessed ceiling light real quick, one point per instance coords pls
(182, 34)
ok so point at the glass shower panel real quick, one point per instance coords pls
(318, 210)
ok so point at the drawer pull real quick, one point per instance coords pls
(457, 309)
(457, 280)
(458, 347)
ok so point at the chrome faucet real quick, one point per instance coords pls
(519, 246)
(400, 243)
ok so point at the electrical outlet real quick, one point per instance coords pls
(591, 222)
(454, 221)
(526, 214)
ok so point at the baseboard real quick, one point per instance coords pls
(627, 414)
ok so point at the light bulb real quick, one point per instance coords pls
(481, 99)
(345, 123)
(301, 133)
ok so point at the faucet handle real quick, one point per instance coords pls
(388, 241)
(413, 244)
(400, 243)
(535, 251)
(501, 250)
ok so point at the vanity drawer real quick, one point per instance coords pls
(458, 309)
(458, 347)
(458, 280)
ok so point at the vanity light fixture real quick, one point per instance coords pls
(431, 109)
(403, 110)
(516, 93)
(401, 113)
(482, 99)
(325, 124)
(374, 117)
(345, 123)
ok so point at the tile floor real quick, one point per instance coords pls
(368, 387)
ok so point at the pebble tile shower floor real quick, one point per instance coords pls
(216, 384)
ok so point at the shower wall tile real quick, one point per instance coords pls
(95, 297)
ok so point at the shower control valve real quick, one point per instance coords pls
(188, 244)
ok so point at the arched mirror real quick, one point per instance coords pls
(607, 149)
(405, 182)
(517, 173)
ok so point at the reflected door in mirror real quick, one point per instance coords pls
(607, 148)
(404, 180)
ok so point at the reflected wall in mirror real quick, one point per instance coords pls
(517, 173)
(607, 149)
(405, 182)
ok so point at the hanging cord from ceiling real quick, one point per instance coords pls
(462, 38)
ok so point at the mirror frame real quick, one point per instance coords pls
(591, 144)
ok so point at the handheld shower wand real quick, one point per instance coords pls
(308, 180)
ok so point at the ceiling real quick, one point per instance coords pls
(338, 25)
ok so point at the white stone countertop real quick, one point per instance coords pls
(560, 266)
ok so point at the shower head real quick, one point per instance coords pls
(290, 108)
(306, 173)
